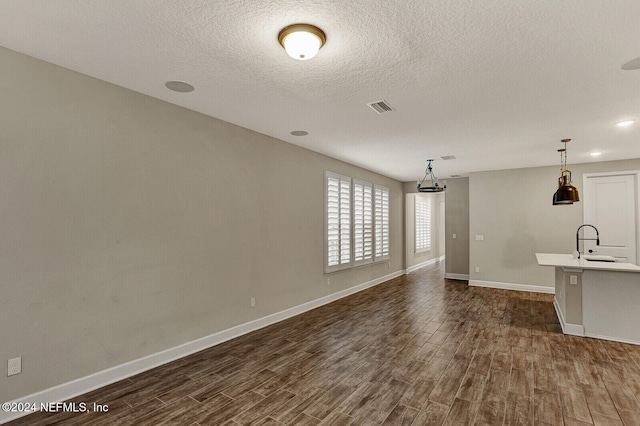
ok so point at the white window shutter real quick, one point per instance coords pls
(422, 224)
(381, 210)
(356, 222)
(362, 222)
(345, 221)
(337, 222)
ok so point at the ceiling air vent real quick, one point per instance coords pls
(380, 107)
(448, 157)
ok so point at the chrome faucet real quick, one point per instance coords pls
(578, 239)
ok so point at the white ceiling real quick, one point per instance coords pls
(496, 83)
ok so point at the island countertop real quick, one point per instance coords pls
(568, 261)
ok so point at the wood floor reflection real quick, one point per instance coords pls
(416, 350)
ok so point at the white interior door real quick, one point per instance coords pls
(611, 205)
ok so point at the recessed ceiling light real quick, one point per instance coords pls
(595, 154)
(179, 86)
(625, 123)
(299, 133)
(633, 64)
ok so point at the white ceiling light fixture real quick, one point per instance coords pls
(179, 86)
(302, 41)
(625, 123)
(633, 64)
(595, 154)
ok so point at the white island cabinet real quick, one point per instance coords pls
(596, 299)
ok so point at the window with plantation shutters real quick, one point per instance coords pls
(338, 222)
(362, 222)
(381, 219)
(423, 224)
(356, 222)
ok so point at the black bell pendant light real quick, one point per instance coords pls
(566, 193)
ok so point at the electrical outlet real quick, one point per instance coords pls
(14, 366)
(479, 237)
(253, 302)
(477, 269)
(573, 279)
(328, 281)
(455, 236)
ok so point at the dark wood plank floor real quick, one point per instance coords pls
(417, 350)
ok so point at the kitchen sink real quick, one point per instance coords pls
(592, 258)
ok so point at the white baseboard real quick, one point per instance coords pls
(426, 263)
(102, 378)
(512, 286)
(613, 339)
(567, 328)
(461, 277)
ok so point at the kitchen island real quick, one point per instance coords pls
(596, 299)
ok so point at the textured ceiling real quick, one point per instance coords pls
(496, 83)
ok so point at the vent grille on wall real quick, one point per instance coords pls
(380, 107)
(449, 157)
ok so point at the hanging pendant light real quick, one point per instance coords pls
(434, 181)
(566, 193)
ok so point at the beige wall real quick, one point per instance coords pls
(130, 225)
(457, 222)
(513, 210)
